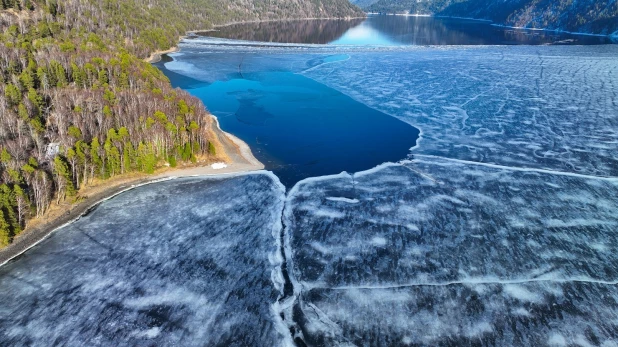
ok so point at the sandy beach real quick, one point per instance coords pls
(155, 57)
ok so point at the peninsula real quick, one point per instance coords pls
(83, 114)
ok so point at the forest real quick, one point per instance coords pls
(79, 103)
(585, 16)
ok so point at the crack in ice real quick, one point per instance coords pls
(513, 168)
(308, 286)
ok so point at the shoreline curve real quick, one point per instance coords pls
(242, 161)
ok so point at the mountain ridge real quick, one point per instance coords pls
(588, 16)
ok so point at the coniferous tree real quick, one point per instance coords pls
(63, 178)
(77, 101)
(5, 231)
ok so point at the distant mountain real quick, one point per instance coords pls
(285, 9)
(290, 31)
(408, 6)
(589, 16)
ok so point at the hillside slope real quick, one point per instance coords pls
(363, 3)
(78, 103)
(588, 16)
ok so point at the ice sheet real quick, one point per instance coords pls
(188, 262)
(529, 314)
(500, 230)
(439, 251)
(542, 107)
(550, 107)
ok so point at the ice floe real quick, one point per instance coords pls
(199, 266)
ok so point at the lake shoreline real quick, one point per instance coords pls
(492, 23)
(278, 20)
(241, 161)
(239, 157)
(155, 57)
(215, 27)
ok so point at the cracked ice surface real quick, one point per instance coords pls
(550, 107)
(530, 314)
(543, 107)
(196, 267)
(440, 251)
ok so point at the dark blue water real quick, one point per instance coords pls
(300, 128)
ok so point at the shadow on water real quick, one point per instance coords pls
(295, 31)
(176, 79)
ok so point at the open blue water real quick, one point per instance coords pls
(297, 127)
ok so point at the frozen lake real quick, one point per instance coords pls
(493, 224)
(199, 266)
(439, 252)
(296, 126)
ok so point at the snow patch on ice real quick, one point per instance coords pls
(218, 166)
(520, 293)
(328, 213)
(340, 199)
(378, 241)
(478, 329)
(149, 334)
(520, 311)
(556, 339)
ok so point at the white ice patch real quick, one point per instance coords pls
(133, 270)
(557, 340)
(318, 247)
(148, 334)
(181, 67)
(478, 329)
(218, 166)
(378, 241)
(346, 200)
(520, 293)
(328, 213)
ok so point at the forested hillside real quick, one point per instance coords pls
(363, 3)
(78, 103)
(589, 16)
